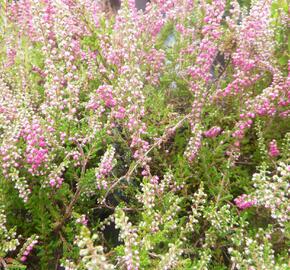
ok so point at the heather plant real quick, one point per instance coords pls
(144, 139)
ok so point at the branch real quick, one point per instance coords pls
(77, 194)
(162, 139)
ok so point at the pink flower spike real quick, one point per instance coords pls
(213, 132)
(273, 149)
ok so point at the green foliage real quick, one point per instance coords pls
(182, 214)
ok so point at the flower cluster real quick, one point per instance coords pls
(8, 238)
(194, 144)
(36, 151)
(272, 192)
(212, 132)
(257, 252)
(171, 258)
(105, 167)
(82, 220)
(273, 149)
(55, 177)
(163, 113)
(28, 247)
(244, 202)
(93, 257)
(197, 208)
(208, 48)
(129, 236)
(104, 93)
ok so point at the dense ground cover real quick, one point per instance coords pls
(154, 139)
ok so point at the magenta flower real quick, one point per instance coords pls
(212, 132)
(243, 202)
(273, 149)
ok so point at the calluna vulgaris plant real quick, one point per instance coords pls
(144, 139)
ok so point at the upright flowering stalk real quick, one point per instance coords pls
(251, 58)
(272, 192)
(129, 236)
(171, 259)
(11, 52)
(22, 13)
(253, 36)
(128, 89)
(201, 71)
(208, 47)
(55, 177)
(271, 102)
(58, 29)
(36, 151)
(92, 256)
(12, 119)
(28, 247)
(194, 144)
(105, 167)
(8, 239)
(9, 112)
(273, 149)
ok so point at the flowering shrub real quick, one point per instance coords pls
(144, 139)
